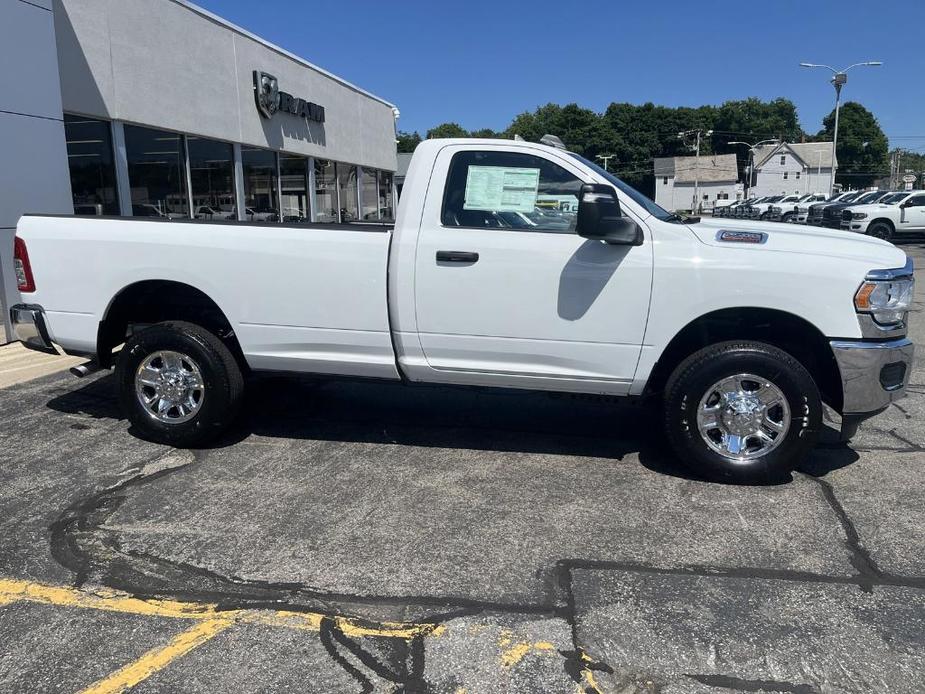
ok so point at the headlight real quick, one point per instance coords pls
(858, 215)
(886, 301)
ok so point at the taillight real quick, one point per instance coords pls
(24, 279)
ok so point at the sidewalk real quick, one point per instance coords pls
(18, 364)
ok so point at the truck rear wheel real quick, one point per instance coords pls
(742, 411)
(178, 384)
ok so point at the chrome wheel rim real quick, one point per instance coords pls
(743, 417)
(169, 387)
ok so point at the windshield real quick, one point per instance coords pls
(893, 199)
(869, 197)
(637, 197)
(849, 197)
(835, 197)
(774, 198)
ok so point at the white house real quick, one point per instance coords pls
(792, 168)
(677, 177)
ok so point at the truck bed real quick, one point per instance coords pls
(302, 297)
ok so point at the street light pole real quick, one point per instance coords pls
(839, 79)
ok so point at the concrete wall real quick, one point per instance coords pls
(33, 154)
(169, 64)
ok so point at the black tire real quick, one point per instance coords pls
(223, 384)
(787, 217)
(697, 374)
(880, 230)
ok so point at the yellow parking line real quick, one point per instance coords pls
(159, 658)
(111, 601)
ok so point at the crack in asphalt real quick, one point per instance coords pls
(741, 685)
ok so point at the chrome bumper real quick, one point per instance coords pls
(29, 327)
(873, 374)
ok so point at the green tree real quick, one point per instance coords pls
(752, 120)
(447, 130)
(487, 133)
(408, 141)
(579, 128)
(862, 147)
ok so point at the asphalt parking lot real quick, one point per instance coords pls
(358, 537)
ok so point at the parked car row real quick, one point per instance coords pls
(879, 213)
(774, 208)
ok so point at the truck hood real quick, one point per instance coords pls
(873, 207)
(790, 238)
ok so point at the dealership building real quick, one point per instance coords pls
(158, 108)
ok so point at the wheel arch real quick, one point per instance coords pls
(885, 220)
(787, 331)
(155, 300)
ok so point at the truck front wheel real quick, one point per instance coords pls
(880, 230)
(742, 411)
(178, 384)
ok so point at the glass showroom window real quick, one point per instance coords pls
(211, 165)
(293, 177)
(386, 204)
(89, 159)
(347, 187)
(369, 196)
(261, 186)
(156, 172)
(325, 207)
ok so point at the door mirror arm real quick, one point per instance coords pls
(601, 219)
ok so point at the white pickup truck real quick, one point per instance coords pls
(739, 329)
(894, 214)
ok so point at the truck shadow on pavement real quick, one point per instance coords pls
(447, 417)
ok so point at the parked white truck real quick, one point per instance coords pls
(897, 213)
(741, 329)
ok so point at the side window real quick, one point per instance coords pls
(917, 201)
(509, 190)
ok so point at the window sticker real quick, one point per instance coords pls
(501, 189)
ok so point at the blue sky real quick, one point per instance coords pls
(481, 63)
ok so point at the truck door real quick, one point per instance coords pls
(913, 214)
(506, 293)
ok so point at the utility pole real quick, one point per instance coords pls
(681, 136)
(839, 79)
(605, 158)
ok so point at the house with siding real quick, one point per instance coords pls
(716, 177)
(788, 168)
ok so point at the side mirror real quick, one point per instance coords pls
(600, 218)
(908, 203)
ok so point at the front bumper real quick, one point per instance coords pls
(29, 327)
(873, 374)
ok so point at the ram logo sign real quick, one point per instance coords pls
(270, 100)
